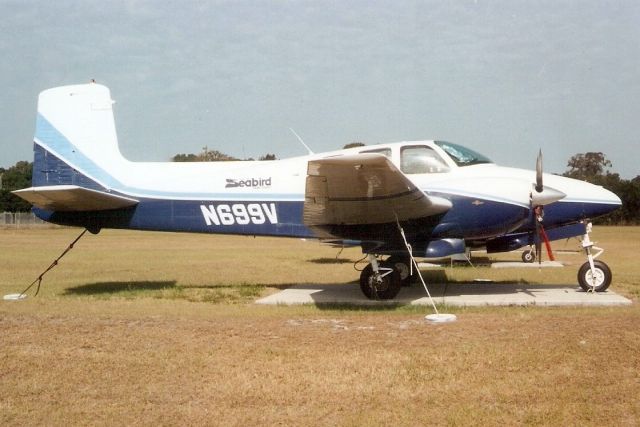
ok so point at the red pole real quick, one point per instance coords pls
(546, 243)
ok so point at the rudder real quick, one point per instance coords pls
(75, 142)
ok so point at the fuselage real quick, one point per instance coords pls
(75, 144)
(267, 197)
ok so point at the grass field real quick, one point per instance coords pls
(161, 329)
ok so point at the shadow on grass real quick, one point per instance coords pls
(170, 290)
(106, 288)
(354, 307)
(280, 286)
(331, 261)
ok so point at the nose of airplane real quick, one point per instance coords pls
(603, 202)
(587, 200)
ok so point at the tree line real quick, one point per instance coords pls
(16, 177)
(207, 155)
(592, 167)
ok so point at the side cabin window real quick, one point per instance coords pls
(385, 151)
(421, 159)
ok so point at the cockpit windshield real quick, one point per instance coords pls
(462, 156)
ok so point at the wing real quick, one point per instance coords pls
(71, 198)
(363, 189)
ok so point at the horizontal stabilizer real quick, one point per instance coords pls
(71, 198)
(364, 189)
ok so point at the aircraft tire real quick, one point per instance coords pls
(403, 265)
(603, 276)
(529, 256)
(386, 290)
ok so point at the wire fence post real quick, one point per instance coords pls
(21, 220)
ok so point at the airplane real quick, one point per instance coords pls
(442, 197)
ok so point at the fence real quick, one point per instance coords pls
(21, 220)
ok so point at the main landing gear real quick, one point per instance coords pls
(380, 280)
(593, 276)
(384, 284)
(403, 265)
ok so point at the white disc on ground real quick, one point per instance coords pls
(441, 318)
(14, 297)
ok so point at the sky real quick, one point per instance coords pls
(505, 78)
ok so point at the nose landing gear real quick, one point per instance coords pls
(593, 276)
(529, 255)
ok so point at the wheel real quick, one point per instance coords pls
(602, 277)
(529, 256)
(403, 265)
(384, 285)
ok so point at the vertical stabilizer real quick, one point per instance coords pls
(75, 139)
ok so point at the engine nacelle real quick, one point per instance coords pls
(441, 248)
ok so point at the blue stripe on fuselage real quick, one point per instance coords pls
(269, 218)
(266, 218)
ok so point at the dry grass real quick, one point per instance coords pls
(136, 328)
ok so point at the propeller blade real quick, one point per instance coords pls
(539, 186)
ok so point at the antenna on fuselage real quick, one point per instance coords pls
(301, 141)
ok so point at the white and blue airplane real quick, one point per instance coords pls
(444, 197)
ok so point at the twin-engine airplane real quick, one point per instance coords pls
(444, 197)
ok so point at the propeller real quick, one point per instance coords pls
(538, 211)
(541, 196)
(539, 187)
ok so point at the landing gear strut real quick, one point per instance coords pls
(593, 276)
(380, 280)
(529, 255)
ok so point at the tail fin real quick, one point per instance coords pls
(75, 141)
(76, 156)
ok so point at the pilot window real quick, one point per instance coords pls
(421, 159)
(385, 151)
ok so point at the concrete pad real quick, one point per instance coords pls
(543, 264)
(427, 265)
(463, 295)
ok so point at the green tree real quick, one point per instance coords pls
(593, 167)
(185, 158)
(205, 155)
(214, 156)
(587, 166)
(15, 178)
(629, 193)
